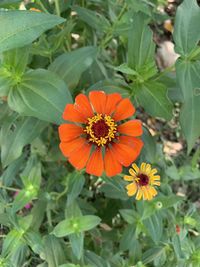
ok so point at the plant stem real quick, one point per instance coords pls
(108, 36)
(57, 7)
(9, 188)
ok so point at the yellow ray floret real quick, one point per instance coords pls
(143, 179)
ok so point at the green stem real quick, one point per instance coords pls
(9, 188)
(109, 35)
(42, 6)
(57, 7)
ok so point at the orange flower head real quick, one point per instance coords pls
(96, 138)
(142, 180)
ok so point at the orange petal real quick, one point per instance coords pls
(82, 104)
(111, 102)
(71, 114)
(112, 166)
(95, 163)
(132, 128)
(68, 132)
(124, 110)
(98, 100)
(78, 158)
(134, 143)
(124, 154)
(68, 147)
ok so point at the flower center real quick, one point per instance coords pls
(143, 179)
(101, 129)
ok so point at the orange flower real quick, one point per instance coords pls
(97, 139)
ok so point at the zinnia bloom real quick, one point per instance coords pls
(142, 181)
(96, 138)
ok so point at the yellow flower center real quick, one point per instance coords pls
(101, 129)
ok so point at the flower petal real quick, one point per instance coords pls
(124, 110)
(95, 163)
(132, 188)
(139, 194)
(153, 171)
(111, 102)
(131, 128)
(135, 167)
(82, 104)
(98, 101)
(68, 132)
(68, 147)
(78, 158)
(71, 114)
(153, 191)
(132, 172)
(134, 146)
(143, 167)
(128, 178)
(124, 154)
(112, 166)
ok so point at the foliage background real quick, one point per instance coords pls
(46, 58)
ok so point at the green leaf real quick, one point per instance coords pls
(77, 241)
(189, 81)
(5, 81)
(23, 198)
(76, 183)
(93, 19)
(128, 215)
(65, 227)
(19, 28)
(168, 201)
(12, 242)
(32, 172)
(151, 254)
(152, 96)
(15, 133)
(15, 60)
(12, 170)
(7, 3)
(154, 227)
(94, 260)
(114, 189)
(71, 65)
(34, 240)
(128, 238)
(186, 30)
(76, 225)
(40, 94)
(125, 69)
(54, 253)
(88, 222)
(141, 47)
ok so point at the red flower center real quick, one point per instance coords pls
(100, 129)
(144, 179)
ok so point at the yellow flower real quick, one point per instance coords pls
(142, 180)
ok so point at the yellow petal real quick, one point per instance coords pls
(155, 177)
(128, 178)
(147, 192)
(148, 169)
(156, 183)
(132, 188)
(143, 167)
(139, 194)
(135, 168)
(153, 191)
(132, 172)
(153, 171)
